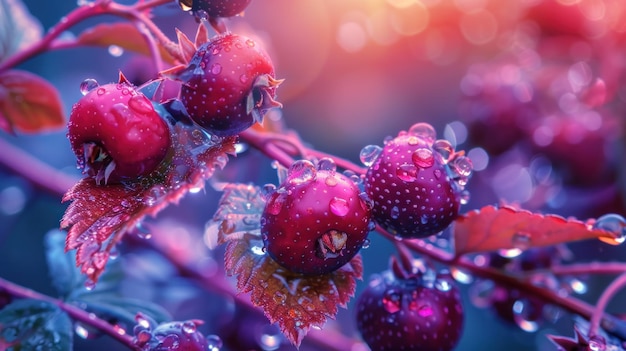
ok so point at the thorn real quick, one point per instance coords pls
(202, 34)
(186, 46)
(123, 80)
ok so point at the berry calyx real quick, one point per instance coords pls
(215, 8)
(316, 221)
(419, 311)
(116, 133)
(228, 85)
(416, 182)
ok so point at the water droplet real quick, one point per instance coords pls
(339, 206)
(614, 224)
(244, 78)
(140, 104)
(423, 157)
(392, 301)
(464, 197)
(189, 327)
(371, 226)
(395, 212)
(444, 148)
(366, 244)
(525, 316)
(90, 284)
(185, 5)
(300, 172)
(270, 338)
(250, 42)
(216, 68)
(81, 331)
(327, 164)
(214, 342)
(116, 51)
(521, 241)
(267, 190)
(407, 172)
(88, 85)
(597, 343)
(424, 131)
(462, 166)
(443, 285)
(461, 276)
(369, 154)
(331, 180)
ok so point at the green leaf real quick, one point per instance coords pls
(18, 28)
(29, 103)
(62, 266)
(34, 325)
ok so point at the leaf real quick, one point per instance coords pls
(61, 265)
(123, 34)
(18, 28)
(492, 228)
(296, 302)
(28, 103)
(122, 310)
(100, 215)
(34, 325)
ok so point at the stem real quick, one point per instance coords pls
(603, 301)
(73, 311)
(590, 268)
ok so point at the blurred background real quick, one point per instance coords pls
(532, 90)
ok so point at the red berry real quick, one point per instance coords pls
(228, 85)
(412, 313)
(116, 133)
(316, 221)
(216, 8)
(416, 183)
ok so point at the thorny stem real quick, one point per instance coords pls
(82, 13)
(76, 313)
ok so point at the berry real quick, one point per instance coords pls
(412, 312)
(216, 8)
(416, 183)
(116, 133)
(228, 85)
(316, 221)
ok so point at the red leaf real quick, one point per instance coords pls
(122, 34)
(100, 215)
(294, 301)
(28, 103)
(492, 228)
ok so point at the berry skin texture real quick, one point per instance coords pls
(413, 194)
(116, 134)
(218, 8)
(409, 314)
(317, 225)
(228, 85)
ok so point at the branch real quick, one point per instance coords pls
(73, 311)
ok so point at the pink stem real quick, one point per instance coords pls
(590, 268)
(73, 311)
(603, 301)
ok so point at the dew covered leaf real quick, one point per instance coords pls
(295, 302)
(18, 28)
(34, 325)
(100, 215)
(122, 34)
(28, 103)
(503, 227)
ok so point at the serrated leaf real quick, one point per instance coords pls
(294, 301)
(493, 228)
(122, 34)
(18, 28)
(34, 325)
(100, 215)
(28, 103)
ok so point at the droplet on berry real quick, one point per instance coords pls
(300, 172)
(423, 157)
(444, 148)
(614, 224)
(88, 85)
(140, 104)
(189, 327)
(214, 342)
(327, 164)
(424, 131)
(392, 301)
(369, 154)
(339, 206)
(407, 172)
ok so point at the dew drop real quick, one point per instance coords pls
(424, 131)
(395, 212)
(596, 343)
(339, 206)
(216, 68)
(275, 205)
(244, 78)
(214, 342)
(371, 226)
(327, 164)
(521, 241)
(464, 197)
(88, 85)
(444, 148)
(522, 314)
(366, 244)
(300, 172)
(270, 338)
(140, 104)
(614, 224)
(267, 190)
(331, 180)
(369, 154)
(392, 301)
(462, 166)
(90, 284)
(461, 276)
(189, 327)
(407, 172)
(423, 157)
